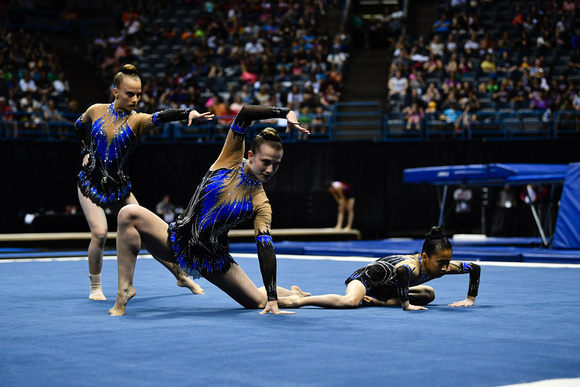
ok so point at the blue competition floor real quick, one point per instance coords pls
(523, 328)
(486, 249)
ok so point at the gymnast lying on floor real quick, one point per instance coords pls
(398, 279)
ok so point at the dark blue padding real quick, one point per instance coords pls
(552, 257)
(487, 174)
(567, 235)
(505, 255)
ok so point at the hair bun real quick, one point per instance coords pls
(436, 233)
(129, 69)
(270, 134)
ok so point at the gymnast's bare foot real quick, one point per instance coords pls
(186, 282)
(295, 290)
(122, 299)
(97, 296)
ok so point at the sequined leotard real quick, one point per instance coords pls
(113, 136)
(380, 276)
(226, 197)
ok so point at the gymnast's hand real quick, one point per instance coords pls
(467, 302)
(194, 115)
(85, 160)
(272, 307)
(371, 301)
(409, 306)
(292, 122)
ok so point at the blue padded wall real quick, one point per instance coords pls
(567, 235)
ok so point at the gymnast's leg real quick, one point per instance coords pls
(355, 292)
(137, 226)
(283, 292)
(350, 210)
(418, 295)
(97, 221)
(183, 280)
(340, 215)
(421, 295)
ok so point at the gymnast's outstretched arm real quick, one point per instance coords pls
(474, 271)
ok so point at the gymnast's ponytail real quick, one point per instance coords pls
(436, 241)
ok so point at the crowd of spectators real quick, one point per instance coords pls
(218, 56)
(33, 86)
(481, 56)
(488, 56)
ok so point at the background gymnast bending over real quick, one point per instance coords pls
(398, 279)
(108, 133)
(230, 193)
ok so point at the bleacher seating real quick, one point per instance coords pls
(210, 72)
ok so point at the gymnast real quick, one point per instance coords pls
(397, 280)
(342, 194)
(108, 133)
(230, 193)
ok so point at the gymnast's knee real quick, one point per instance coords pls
(99, 233)
(422, 296)
(430, 295)
(350, 302)
(127, 215)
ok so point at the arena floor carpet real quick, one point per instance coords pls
(522, 329)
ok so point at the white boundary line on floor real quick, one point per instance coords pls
(311, 258)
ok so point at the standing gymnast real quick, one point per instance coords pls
(342, 194)
(108, 133)
(398, 279)
(230, 193)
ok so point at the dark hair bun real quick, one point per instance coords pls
(270, 134)
(436, 233)
(129, 69)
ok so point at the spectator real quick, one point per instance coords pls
(436, 46)
(486, 46)
(295, 97)
(26, 83)
(165, 209)
(337, 58)
(61, 87)
(471, 46)
(488, 64)
(329, 97)
(506, 64)
(450, 115)
(540, 101)
(451, 44)
(414, 116)
(254, 46)
(442, 25)
(431, 94)
(465, 66)
(434, 65)
(398, 86)
(465, 120)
